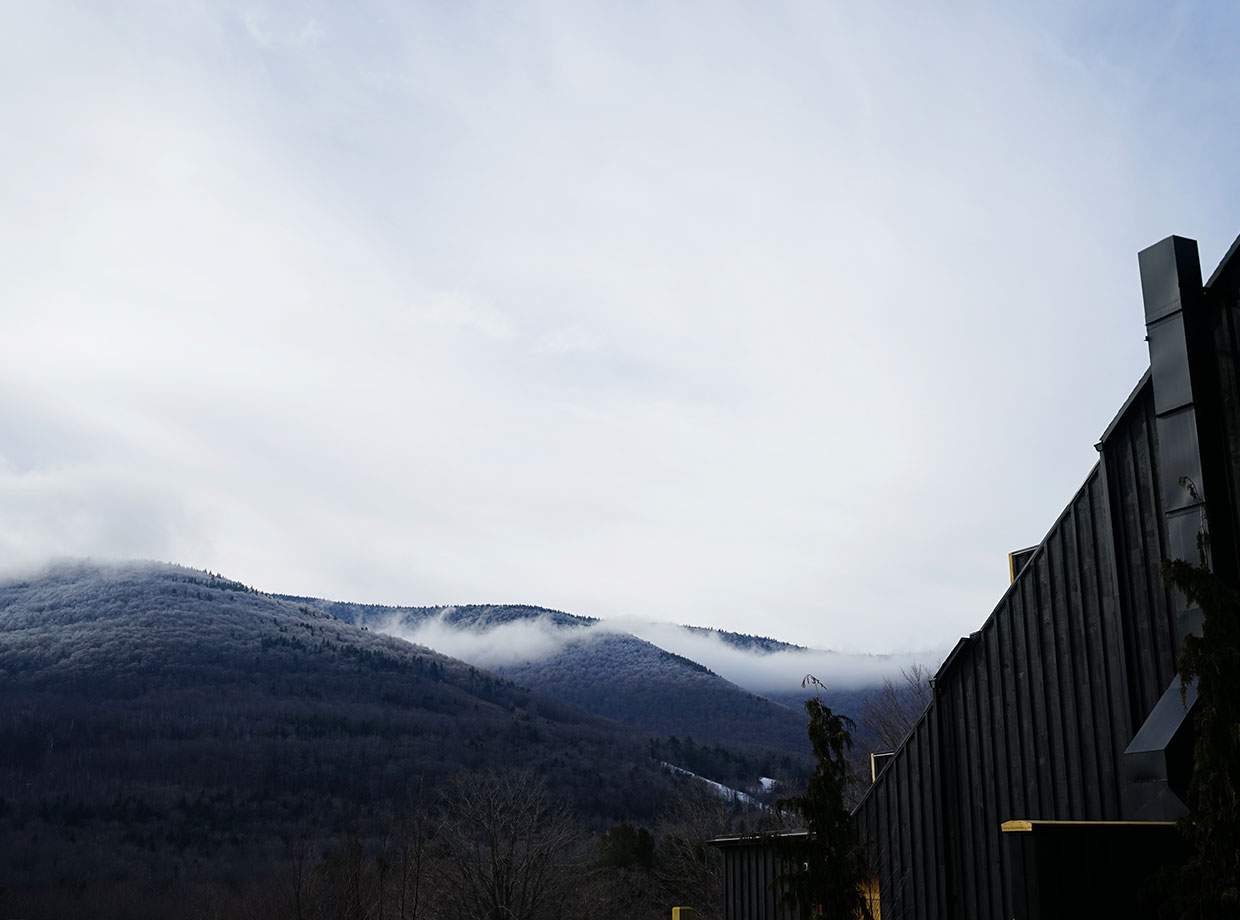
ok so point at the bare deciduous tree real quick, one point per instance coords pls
(507, 849)
(302, 860)
(895, 706)
(689, 869)
(415, 860)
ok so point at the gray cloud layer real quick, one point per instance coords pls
(739, 315)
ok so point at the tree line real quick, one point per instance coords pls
(493, 845)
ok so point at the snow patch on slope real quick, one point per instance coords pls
(724, 792)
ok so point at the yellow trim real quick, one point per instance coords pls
(1019, 826)
(870, 891)
(1012, 561)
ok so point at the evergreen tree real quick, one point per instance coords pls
(1210, 880)
(826, 871)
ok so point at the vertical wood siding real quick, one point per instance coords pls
(1030, 717)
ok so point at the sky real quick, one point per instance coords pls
(786, 318)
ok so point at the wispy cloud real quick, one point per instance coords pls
(567, 340)
(779, 671)
(262, 27)
(466, 312)
(539, 638)
(517, 642)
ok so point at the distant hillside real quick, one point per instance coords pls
(617, 675)
(747, 642)
(464, 616)
(640, 684)
(159, 720)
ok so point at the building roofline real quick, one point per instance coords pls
(1235, 246)
(740, 840)
(1123, 410)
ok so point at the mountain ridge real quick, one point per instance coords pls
(607, 671)
(154, 685)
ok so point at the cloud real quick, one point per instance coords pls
(736, 316)
(75, 510)
(780, 671)
(517, 642)
(465, 312)
(539, 638)
(567, 340)
(259, 25)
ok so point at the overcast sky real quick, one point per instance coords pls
(786, 318)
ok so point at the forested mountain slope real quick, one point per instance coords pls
(762, 644)
(640, 684)
(160, 721)
(612, 673)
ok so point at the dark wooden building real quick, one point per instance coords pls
(1056, 733)
(751, 870)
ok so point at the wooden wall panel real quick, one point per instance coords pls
(1030, 716)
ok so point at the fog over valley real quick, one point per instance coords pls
(763, 667)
